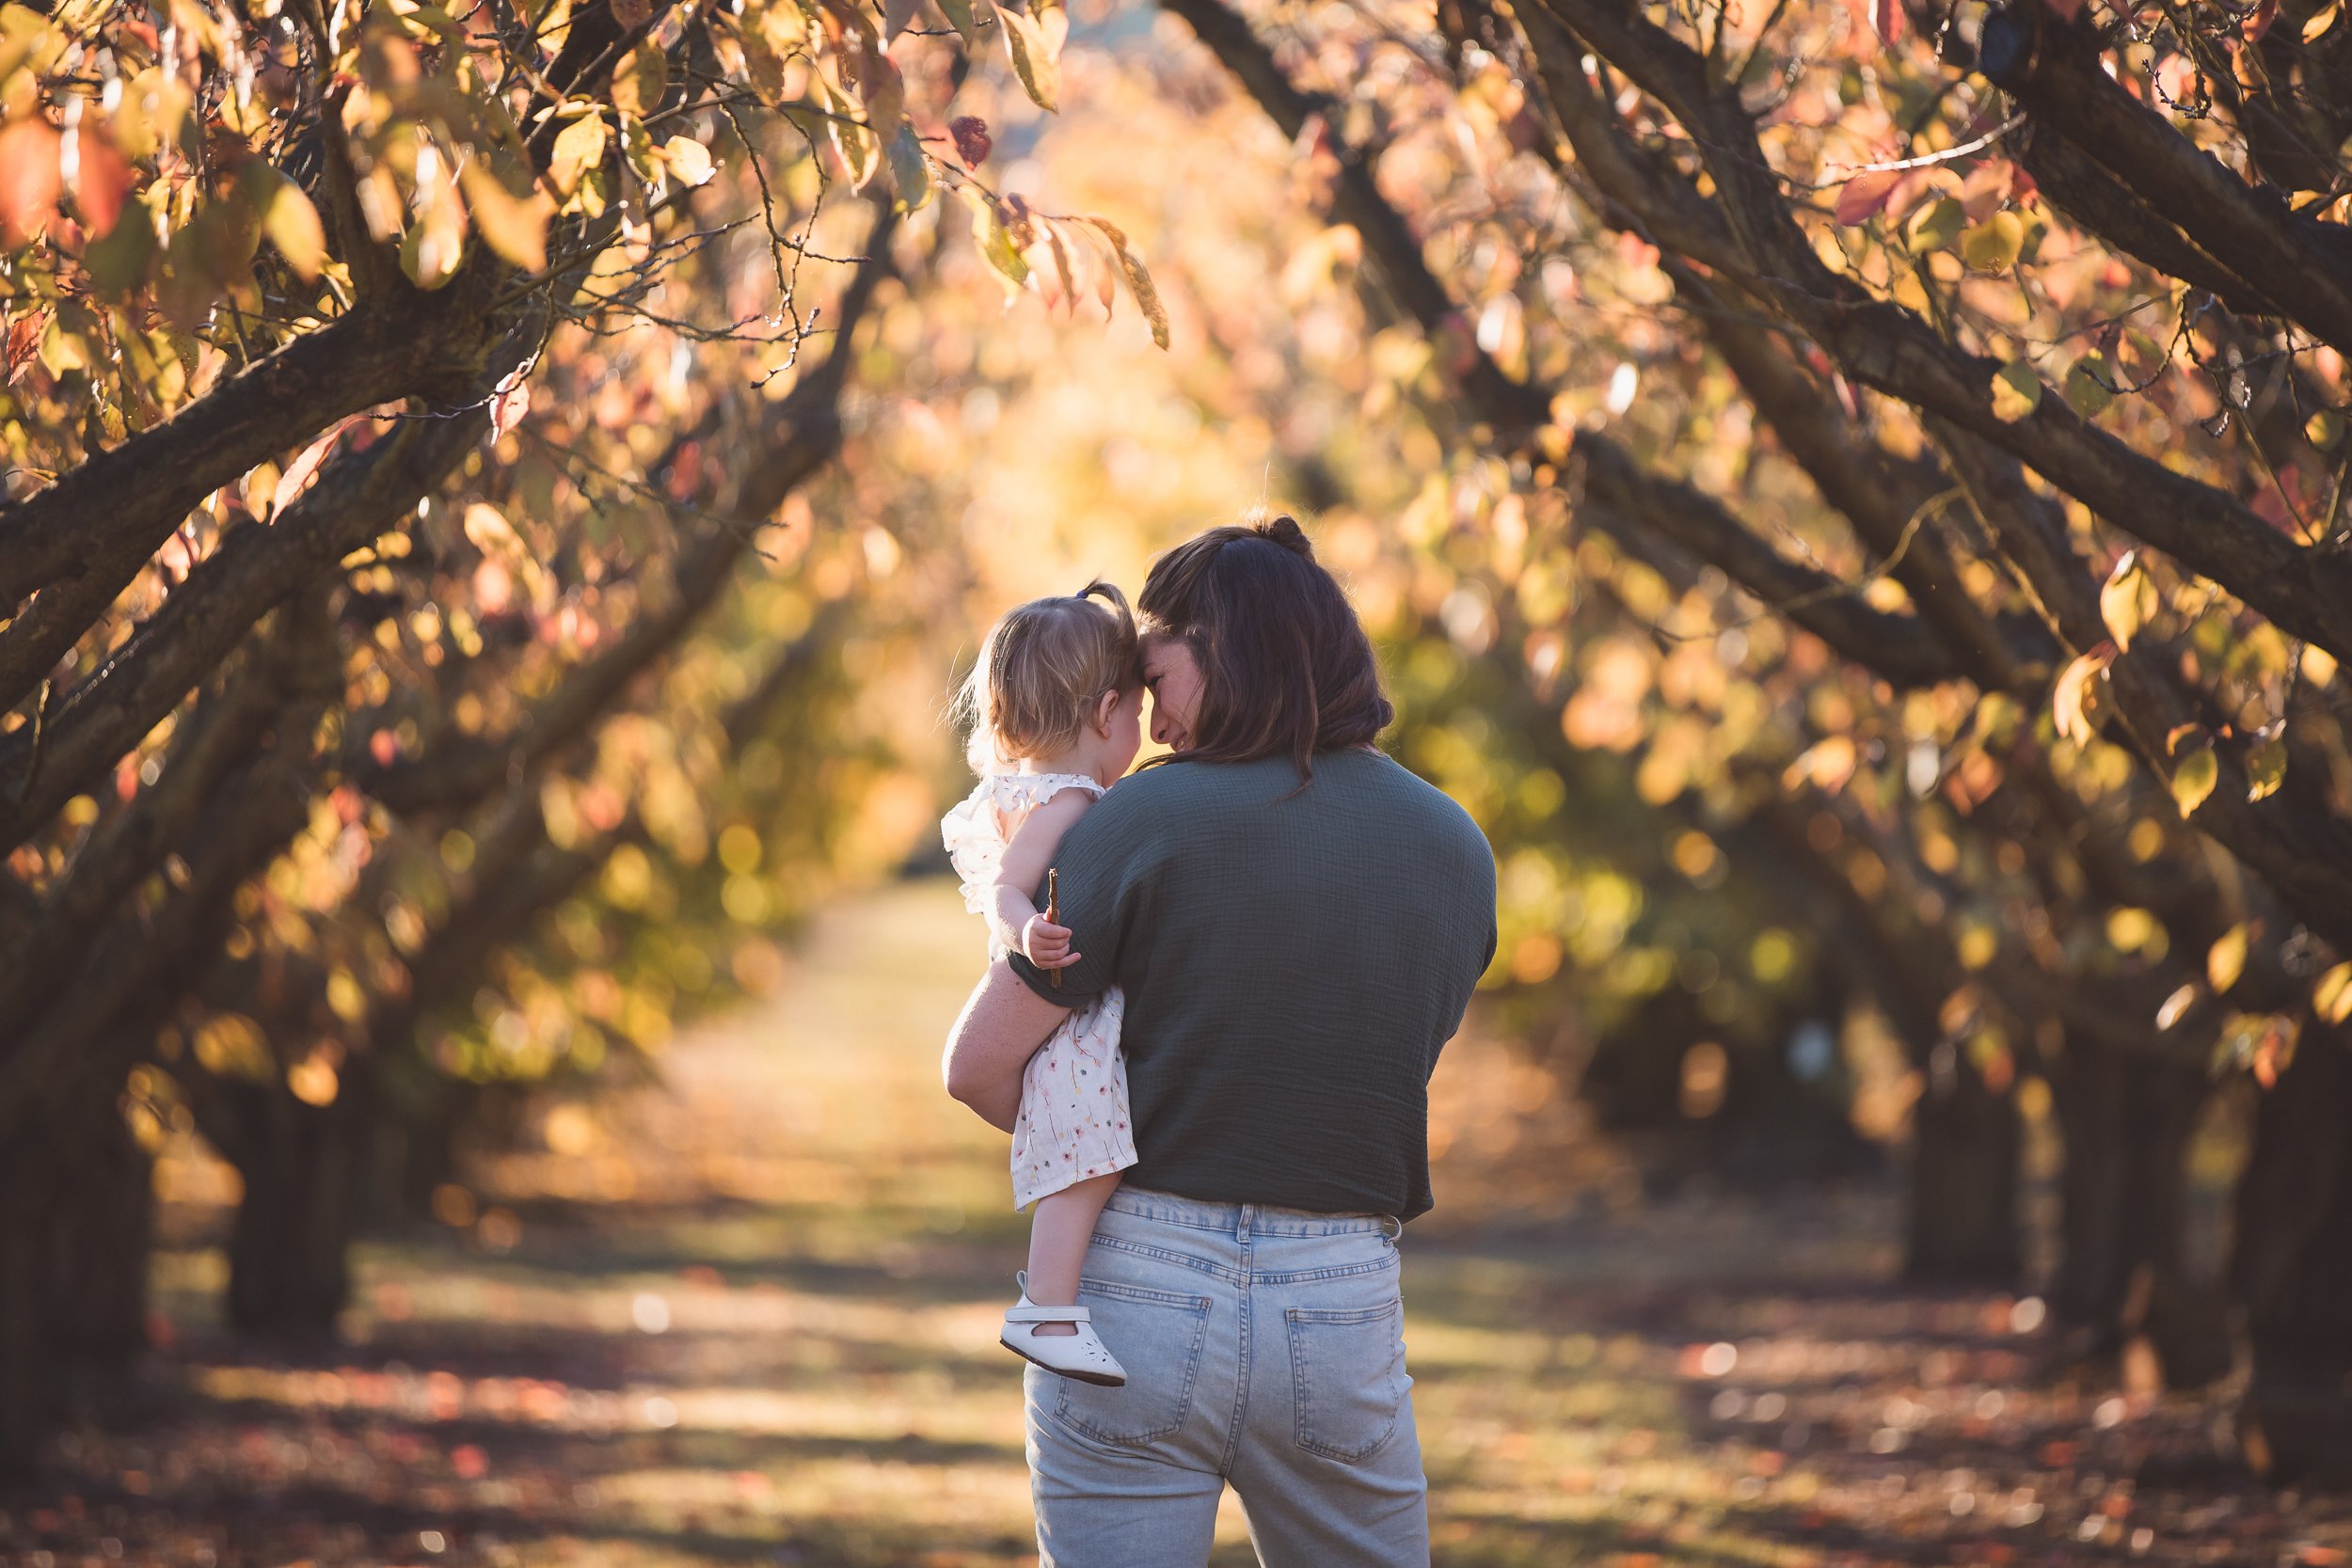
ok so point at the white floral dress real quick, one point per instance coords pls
(1073, 1123)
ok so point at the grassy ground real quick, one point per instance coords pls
(750, 1318)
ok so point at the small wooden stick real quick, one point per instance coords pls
(1052, 912)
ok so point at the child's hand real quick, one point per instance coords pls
(1047, 944)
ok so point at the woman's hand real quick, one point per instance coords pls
(1047, 944)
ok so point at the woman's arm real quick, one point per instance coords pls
(1002, 1025)
(1030, 850)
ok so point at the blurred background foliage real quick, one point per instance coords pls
(544, 592)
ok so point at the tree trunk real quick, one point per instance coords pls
(2126, 1120)
(77, 1211)
(1962, 1224)
(2292, 1269)
(305, 1169)
(26, 1395)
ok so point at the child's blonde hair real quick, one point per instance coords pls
(1043, 671)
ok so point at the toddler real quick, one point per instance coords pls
(1056, 704)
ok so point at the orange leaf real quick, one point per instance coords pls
(30, 181)
(102, 180)
(297, 475)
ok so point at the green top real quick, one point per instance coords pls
(1293, 963)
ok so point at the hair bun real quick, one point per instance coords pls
(1285, 530)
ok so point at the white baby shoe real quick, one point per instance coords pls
(1081, 1356)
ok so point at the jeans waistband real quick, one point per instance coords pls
(1245, 1219)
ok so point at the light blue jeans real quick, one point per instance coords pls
(1263, 1347)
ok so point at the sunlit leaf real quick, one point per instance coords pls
(1035, 53)
(1935, 226)
(1860, 198)
(2333, 997)
(30, 182)
(1138, 281)
(293, 227)
(2225, 960)
(2071, 694)
(2127, 599)
(515, 228)
(2017, 392)
(2266, 761)
(2194, 776)
(579, 146)
(1993, 245)
(689, 160)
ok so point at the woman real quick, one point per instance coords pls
(1297, 922)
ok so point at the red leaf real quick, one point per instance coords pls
(30, 180)
(1864, 193)
(1887, 16)
(972, 139)
(102, 180)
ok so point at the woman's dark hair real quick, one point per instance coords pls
(1286, 669)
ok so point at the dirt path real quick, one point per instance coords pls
(751, 1317)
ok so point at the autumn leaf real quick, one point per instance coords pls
(102, 178)
(299, 473)
(2127, 599)
(2267, 761)
(2071, 694)
(2333, 997)
(30, 182)
(1034, 54)
(1935, 226)
(1993, 245)
(2225, 960)
(1861, 197)
(2017, 392)
(689, 160)
(2195, 770)
(515, 228)
(293, 227)
(579, 146)
(909, 172)
(972, 143)
(1139, 280)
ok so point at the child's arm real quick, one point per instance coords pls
(1027, 854)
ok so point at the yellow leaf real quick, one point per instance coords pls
(293, 226)
(638, 86)
(2128, 599)
(2266, 761)
(1036, 56)
(1936, 225)
(2017, 392)
(2071, 694)
(1993, 245)
(689, 160)
(2226, 959)
(515, 228)
(1139, 280)
(579, 149)
(2333, 998)
(2194, 779)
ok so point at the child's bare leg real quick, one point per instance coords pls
(1061, 1227)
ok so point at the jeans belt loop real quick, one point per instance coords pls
(1241, 1231)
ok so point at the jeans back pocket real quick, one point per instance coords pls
(1347, 1377)
(1156, 1336)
